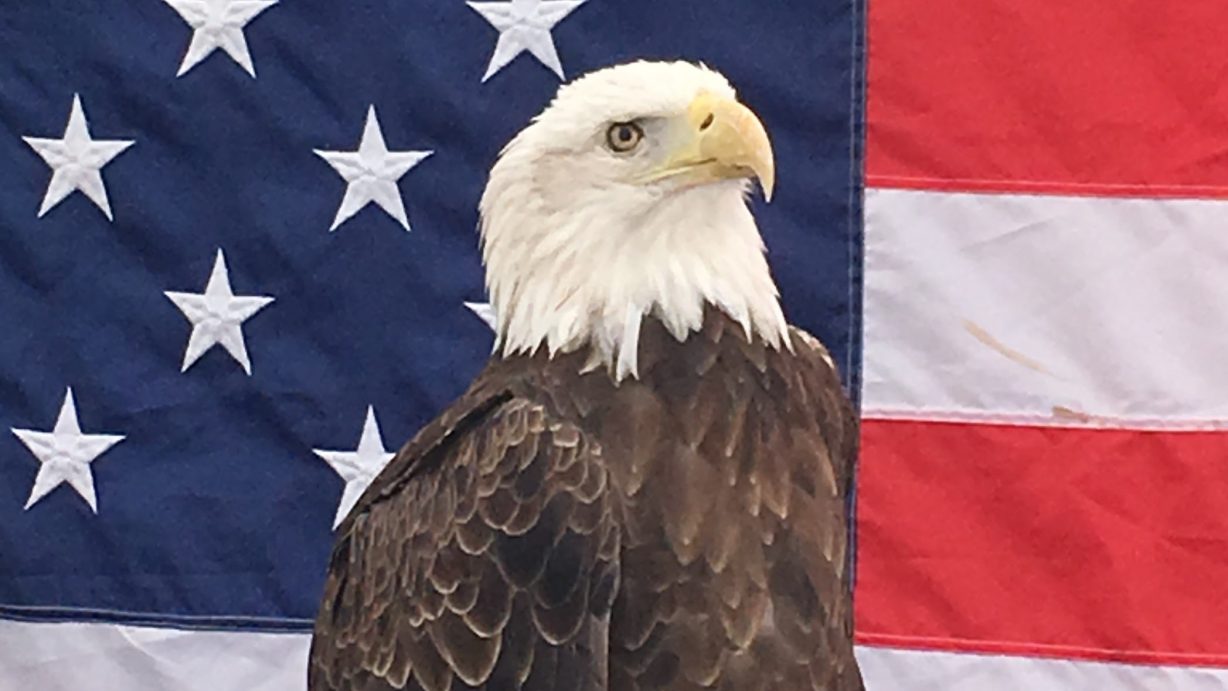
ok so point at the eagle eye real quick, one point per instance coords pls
(623, 137)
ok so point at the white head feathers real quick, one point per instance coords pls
(582, 237)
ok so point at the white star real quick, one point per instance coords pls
(373, 172)
(65, 455)
(485, 312)
(218, 24)
(358, 468)
(77, 161)
(217, 316)
(525, 25)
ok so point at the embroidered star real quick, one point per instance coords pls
(77, 161)
(217, 316)
(218, 24)
(359, 467)
(525, 25)
(65, 455)
(372, 173)
(485, 312)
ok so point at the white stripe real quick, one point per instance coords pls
(107, 657)
(886, 669)
(1057, 310)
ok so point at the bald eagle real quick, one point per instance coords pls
(645, 486)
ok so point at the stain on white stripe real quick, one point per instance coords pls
(1057, 310)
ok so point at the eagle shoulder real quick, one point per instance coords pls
(831, 406)
(485, 553)
(811, 345)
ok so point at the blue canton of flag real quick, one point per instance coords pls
(239, 268)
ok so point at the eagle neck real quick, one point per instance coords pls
(589, 281)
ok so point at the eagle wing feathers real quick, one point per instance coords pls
(485, 555)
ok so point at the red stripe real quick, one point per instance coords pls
(1121, 97)
(1104, 544)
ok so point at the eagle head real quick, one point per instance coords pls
(627, 197)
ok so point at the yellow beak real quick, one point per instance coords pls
(723, 139)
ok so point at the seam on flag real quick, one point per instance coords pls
(45, 614)
(1043, 650)
(1058, 421)
(937, 184)
(858, 59)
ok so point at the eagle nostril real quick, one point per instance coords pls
(707, 122)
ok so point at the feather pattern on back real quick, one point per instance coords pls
(554, 530)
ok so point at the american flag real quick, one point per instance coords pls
(239, 267)
(1042, 500)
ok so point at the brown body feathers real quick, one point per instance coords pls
(552, 531)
